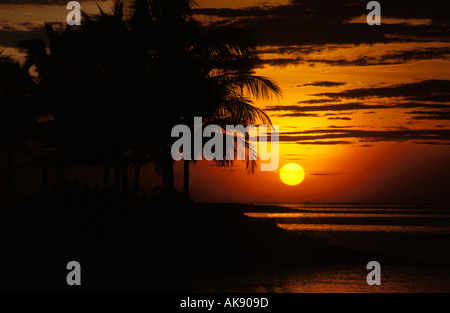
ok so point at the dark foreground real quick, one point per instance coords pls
(163, 244)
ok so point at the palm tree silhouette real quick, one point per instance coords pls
(215, 71)
(116, 86)
(165, 30)
(93, 79)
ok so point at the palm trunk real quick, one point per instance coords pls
(105, 177)
(137, 171)
(168, 180)
(125, 178)
(167, 168)
(186, 178)
(44, 179)
(60, 177)
(117, 177)
(10, 173)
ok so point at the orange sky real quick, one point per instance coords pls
(351, 166)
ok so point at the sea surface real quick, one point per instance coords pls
(412, 244)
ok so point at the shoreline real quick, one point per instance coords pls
(143, 242)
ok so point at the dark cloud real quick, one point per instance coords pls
(432, 143)
(417, 54)
(281, 62)
(340, 127)
(390, 58)
(316, 101)
(326, 22)
(324, 135)
(340, 118)
(354, 106)
(298, 114)
(324, 143)
(309, 25)
(431, 115)
(412, 91)
(435, 98)
(325, 84)
(304, 49)
(331, 107)
(398, 94)
(340, 113)
(339, 10)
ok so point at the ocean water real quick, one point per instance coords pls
(333, 279)
(412, 244)
(401, 233)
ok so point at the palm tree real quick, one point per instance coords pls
(166, 30)
(214, 72)
(224, 61)
(141, 76)
(93, 79)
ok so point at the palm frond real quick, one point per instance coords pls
(260, 87)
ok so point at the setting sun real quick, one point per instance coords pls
(292, 174)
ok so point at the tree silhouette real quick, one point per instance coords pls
(116, 86)
(93, 81)
(214, 71)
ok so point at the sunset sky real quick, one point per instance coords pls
(365, 110)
